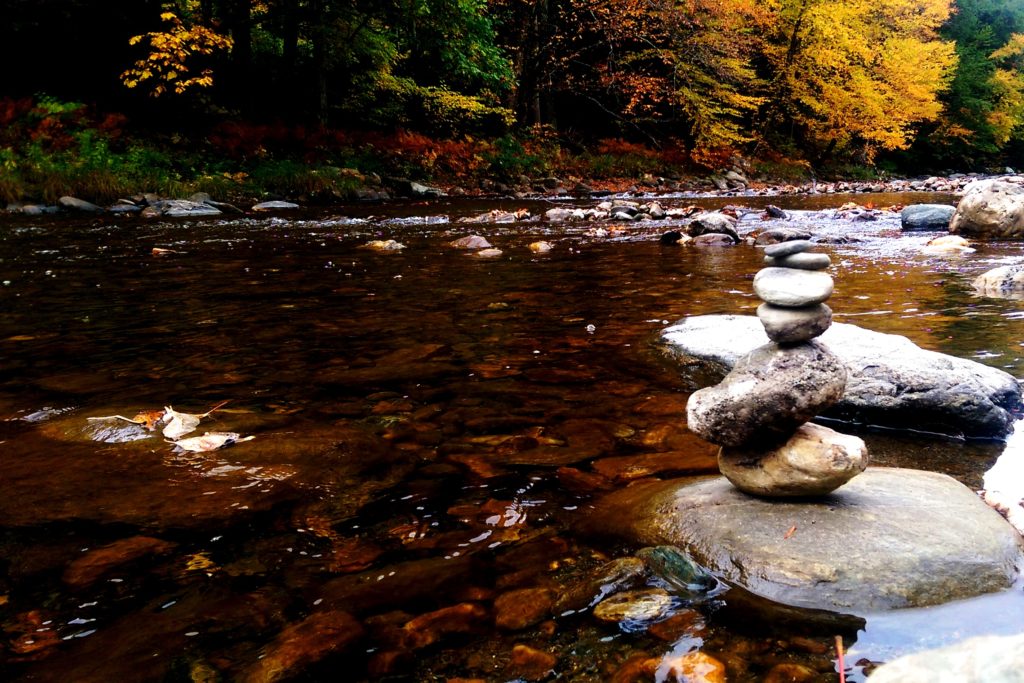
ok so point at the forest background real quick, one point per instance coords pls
(313, 97)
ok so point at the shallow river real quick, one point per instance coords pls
(430, 428)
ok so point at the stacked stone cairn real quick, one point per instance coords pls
(759, 413)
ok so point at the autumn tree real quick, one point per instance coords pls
(858, 73)
(170, 65)
(684, 65)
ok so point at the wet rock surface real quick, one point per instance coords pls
(990, 209)
(768, 394)
(938, 541)
(794, 324)
(814, 461)
(792, 287)
(890, 380)
(926, 216)
(987, 659)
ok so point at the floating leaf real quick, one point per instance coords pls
(179, 424)
(210, 441)
(149, 418)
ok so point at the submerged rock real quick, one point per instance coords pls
(303, 644)
(890, 538)
(677, 569)
(890, 380)
(1001, 280)
(631, 606)
(948, 244)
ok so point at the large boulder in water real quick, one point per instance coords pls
(926, 216)
(890, 380)
(985, 659)
(889, 538)
(990, 208)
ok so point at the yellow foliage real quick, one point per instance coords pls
(165, 68)
(1007, 116)
(861, 70)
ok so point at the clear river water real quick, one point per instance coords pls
(429, 429)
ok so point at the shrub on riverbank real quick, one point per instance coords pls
(50, 148)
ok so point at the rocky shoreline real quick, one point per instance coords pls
(374, 189)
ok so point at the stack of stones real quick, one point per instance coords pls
(759, 413)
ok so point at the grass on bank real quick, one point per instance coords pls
(49, 149)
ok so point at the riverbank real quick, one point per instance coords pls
(372, 189)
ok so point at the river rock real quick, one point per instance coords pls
(1001, 280)
(269, 206)
(640, 605)
(816, 460)
(767, 395)
(183, 208)
(948, 244)
(778, 235)
(985, 659)
(714, 222)
(788, 325)
(802, 261)
(471, 242)
(990, 208)
(713, 239)
(303, 644)
(792, 288)
(926, 216)
(889, 538)
(787, 248)
(76, 204)
(891, 381)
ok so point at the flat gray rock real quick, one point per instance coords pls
(803, 261)
(926, 216)
(890, 380)
(790, 287)
(275, 205)
(778, 235)
(183, 208)
(787, 248)
(788, 325)
(985, 659)
(713, 222)
(76, 204)
(889, 538)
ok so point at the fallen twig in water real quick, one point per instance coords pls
(842, 665)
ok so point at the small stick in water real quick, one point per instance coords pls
(842, 665)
